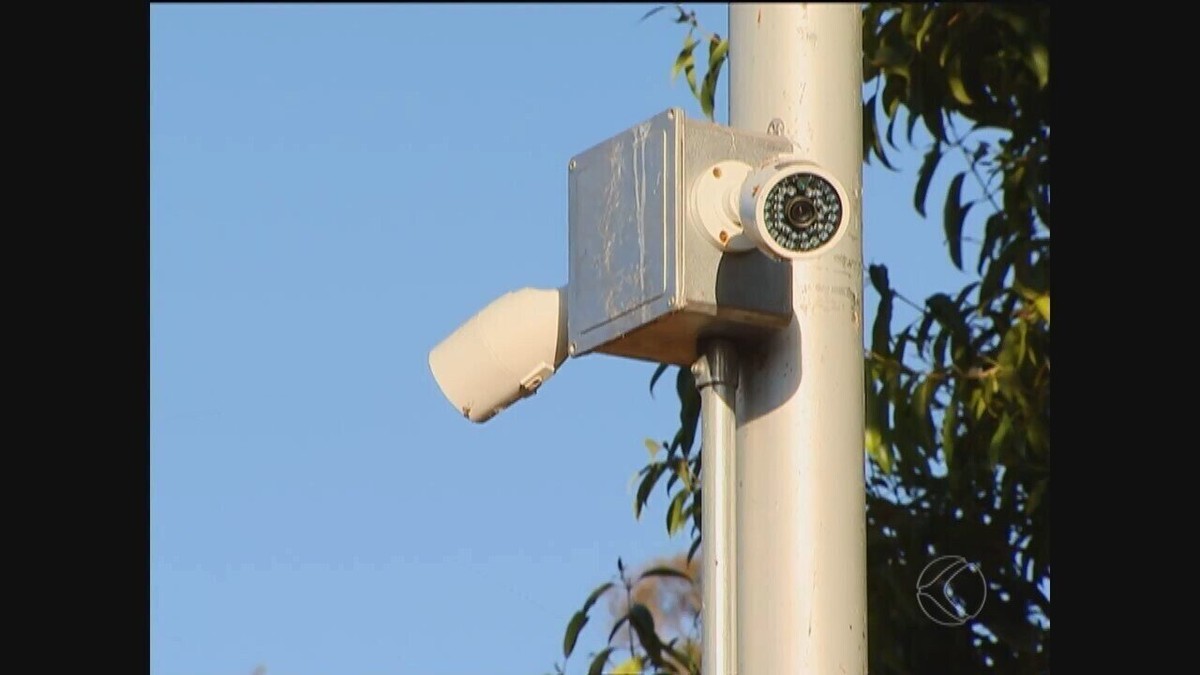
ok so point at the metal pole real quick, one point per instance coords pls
(716, 374)
(796, 69)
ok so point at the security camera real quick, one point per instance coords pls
(788, 208)
(504, 353)
(792, 209)
(662, 220)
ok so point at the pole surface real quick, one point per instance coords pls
(796, 69)
(716, 374)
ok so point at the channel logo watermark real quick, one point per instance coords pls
(951, 591)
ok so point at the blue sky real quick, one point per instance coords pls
(316, 505)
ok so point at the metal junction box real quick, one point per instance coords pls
(644, 280)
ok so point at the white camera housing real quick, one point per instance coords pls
(504, 353)
(792, 209)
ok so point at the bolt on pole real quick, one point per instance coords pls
(796, 70)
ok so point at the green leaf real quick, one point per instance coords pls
(933, 122)
(578, 621)
(875, 416)
(922, 408)
(923, 31)
(991, 234)
(871, 135)
(878, 450)
(902, 339)
(689, 410)
(1042, 305)
(933, 93)
(1035, 497)
(717, 49)
(676, 518)
(954, 215)
(939, 347)
(1037, 59)
(979, 404)
(600, 660)
(890, 129)
(632, 666)
(948, 47)
(1012, 348)
(997, 271)
(595, 595)
(944, 309)
(1022, 330)
(617, 626)
(664, 572)
(892, 59)
(693, 548)
(962, 295)
(914, 116)
(686, 62)
(662, 368)
(680, 658)
(954, 79)
(893, 96)
(980, 152)
(685, 472)
(879, 278)
(652, 447)
(643, 624)
(925, 176)
(910, 20)
(923, 332)
(654, 11)
(653, 472)
(949, 431)
(685, 56)
(881, 331)
(998, 438)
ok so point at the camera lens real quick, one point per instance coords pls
(801, 212)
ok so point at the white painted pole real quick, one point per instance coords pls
(800, 502)
(716, 375)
